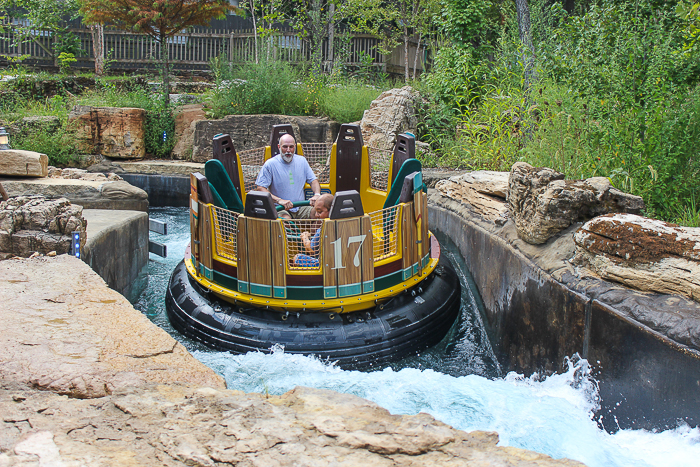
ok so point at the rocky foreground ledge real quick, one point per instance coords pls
(85, 379)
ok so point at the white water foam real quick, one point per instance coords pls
(549, 415)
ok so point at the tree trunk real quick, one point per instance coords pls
(415, 57)
(255, 28)
(165, 63)
(98, 47)
(331, 35)
(526, 39)
(405, 53)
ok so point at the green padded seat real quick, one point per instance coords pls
(220, 181)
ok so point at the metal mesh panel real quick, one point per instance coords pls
(303, 245)
(319, 157)
(225, 228)
(251, 162)
(379, 163)
(385, 229)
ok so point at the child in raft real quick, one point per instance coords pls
(320, 211)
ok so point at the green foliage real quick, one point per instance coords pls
(159, 137)
(274, 87)
(346, 103)
(268, 87)
(160, 130)
(65, 61)
(470, 24)
(618, 96)
(58, 144)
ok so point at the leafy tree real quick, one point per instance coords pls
(690, 12)
(45, 15)
(316, 20)
(160, 19)
(265, 14)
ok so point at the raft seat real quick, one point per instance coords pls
(259, 204)
(408, 167)
(346, 204)
(223, 190)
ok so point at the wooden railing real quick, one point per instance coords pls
(194, 49)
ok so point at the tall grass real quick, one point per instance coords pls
(274, 87)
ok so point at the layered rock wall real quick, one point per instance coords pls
(33, 224)
(253, 131)
(110, 131)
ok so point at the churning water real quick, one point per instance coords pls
(458, 382)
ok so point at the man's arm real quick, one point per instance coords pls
(284, 202)
(316, 187)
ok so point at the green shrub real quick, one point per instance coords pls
(268, 87)
(346, 103)
(160, 130)
(58, 144)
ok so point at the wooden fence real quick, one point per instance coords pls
(194, 49)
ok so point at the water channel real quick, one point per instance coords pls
(458, 382)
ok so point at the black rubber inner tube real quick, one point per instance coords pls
(407, 324)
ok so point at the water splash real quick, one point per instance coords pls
(552, 415)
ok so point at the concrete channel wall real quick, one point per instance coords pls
(645, 379)
(117, 249)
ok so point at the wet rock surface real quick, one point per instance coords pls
(33, 224)
(542, 203)
(634, 289)
(390, 114)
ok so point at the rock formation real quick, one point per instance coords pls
(390, 114)
(82, 174)
(73, 335)
(33, 224)
(110, 131)
(641, 253)
(177, 425)
(185, 124)
(482, 191)
(542, 203)
(18, 163)
(98, 194)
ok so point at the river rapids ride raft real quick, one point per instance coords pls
(375, 288)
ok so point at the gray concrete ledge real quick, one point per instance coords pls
(117, 249)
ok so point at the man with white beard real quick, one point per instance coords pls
(284, 176)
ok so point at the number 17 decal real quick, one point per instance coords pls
(338, 253)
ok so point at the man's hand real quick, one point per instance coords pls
(286, 203)
(312, 200)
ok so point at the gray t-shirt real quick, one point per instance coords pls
(286, 180)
